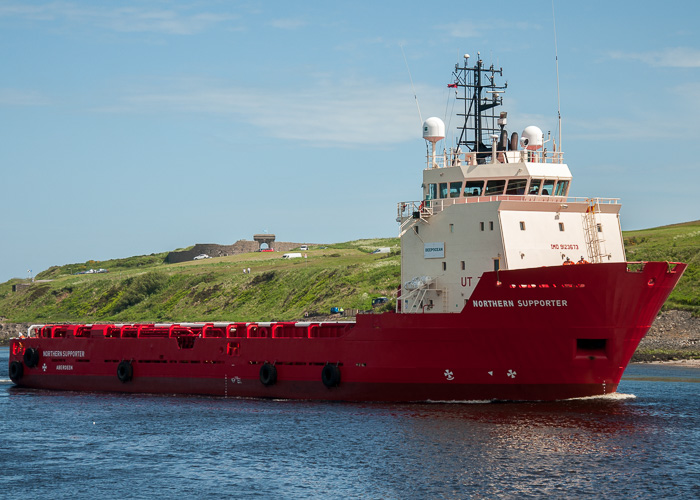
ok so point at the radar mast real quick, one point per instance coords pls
(477, 88)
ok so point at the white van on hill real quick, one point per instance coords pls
(295, 255)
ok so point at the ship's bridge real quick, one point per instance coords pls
(516, 173)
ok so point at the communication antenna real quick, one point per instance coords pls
(556, 60)
(412, 87)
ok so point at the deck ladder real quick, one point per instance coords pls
(591, 232)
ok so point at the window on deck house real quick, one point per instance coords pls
(473, 188)
(455, 189)
(432, 191)
(562, 188)
(535, 185)
(495, 187)
(548, 187)
(516, 186)
(443, 190)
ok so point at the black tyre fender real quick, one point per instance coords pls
(31, 357)
(330, 375)
(125, 371)
(268, 374)
(16, 371)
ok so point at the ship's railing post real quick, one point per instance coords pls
(437, 161)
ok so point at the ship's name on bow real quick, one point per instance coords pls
(519, 303)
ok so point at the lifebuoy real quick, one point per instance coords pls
(125, 371)
(31, 357)
(268, 374)
(330, 375)
(16, 371)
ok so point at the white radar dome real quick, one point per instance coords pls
(531, 138)
(433, 129)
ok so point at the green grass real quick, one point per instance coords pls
(347, 275)
(676, 243)
(144, 288)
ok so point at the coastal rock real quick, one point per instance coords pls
(676, 332)
(10, 330)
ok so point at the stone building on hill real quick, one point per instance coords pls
(260, 242)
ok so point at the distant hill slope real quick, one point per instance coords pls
(347, 275)
(678, 243)
(144, 288)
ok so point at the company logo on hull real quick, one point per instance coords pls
(435, 250)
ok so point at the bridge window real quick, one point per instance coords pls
(516, 186)
(443, 190)
(562, 188)
(495, 187)
(548, 187)
(535, 185)
(455, 189)
(473, 188)
(432, 192)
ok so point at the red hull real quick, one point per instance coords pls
(533, 334)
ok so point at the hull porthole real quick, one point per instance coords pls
(16, 371)
(268, 374)
(125, 371)
(31, 357)
(330, 375)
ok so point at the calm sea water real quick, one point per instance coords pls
(642, 443)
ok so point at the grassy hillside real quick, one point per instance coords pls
(679, 243)
(145, 289)
(346, 275)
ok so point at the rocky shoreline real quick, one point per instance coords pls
(674, 336)
(12, 330)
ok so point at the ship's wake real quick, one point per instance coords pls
(615, 396)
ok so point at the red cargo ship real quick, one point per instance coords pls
(489, 308)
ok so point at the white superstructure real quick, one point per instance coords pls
(503, 207)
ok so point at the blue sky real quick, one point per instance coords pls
(129, 128)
